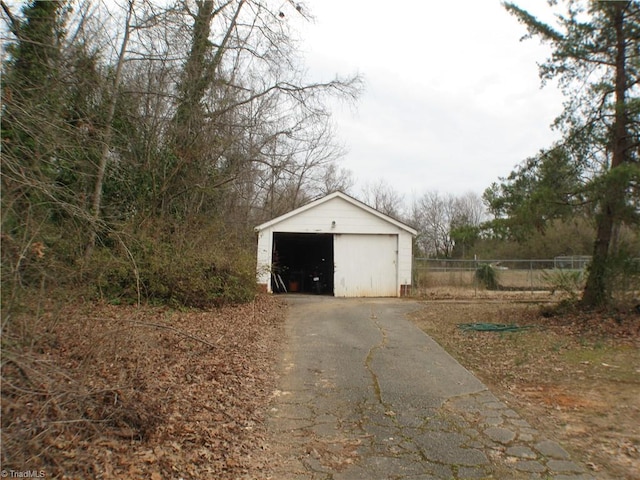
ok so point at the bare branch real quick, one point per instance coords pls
(15, 23)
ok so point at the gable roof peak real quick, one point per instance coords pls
(330, 196)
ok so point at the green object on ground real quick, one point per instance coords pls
(492, 327)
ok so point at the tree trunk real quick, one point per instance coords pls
(199, 74)
(597, 290)
(96, 201)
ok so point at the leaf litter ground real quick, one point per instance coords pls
(103, 391)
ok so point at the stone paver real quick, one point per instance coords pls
(534, 452)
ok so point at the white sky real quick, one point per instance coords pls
(452, 97)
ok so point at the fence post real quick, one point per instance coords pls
(475, 278)
(531, 275)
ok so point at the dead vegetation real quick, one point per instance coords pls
(102, 391)
(574, 376)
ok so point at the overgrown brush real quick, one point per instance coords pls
(63, 385)
(199, 264)
(197, 267)
(569, 282)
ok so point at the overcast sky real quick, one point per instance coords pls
(452, 98)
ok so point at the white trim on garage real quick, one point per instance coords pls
(328, 198)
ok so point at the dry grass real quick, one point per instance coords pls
(576, 377)
(508, 279)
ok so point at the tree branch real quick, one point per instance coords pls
(15, 23)
(174, 330)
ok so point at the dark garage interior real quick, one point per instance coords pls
(302, 263)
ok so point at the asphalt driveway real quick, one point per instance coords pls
(365, 394)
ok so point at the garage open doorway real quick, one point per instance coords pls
(304, 262)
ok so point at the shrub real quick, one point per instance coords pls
(487, 276)
(570, 282)
(624, 272)
(196, 280)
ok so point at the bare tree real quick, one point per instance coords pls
(437, 218)
(470, 209)
(245, 89)
(384, 198)
(107, 132)
(335, 179)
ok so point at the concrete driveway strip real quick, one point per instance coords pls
(365, 394)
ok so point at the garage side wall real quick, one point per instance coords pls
(405, 259)
(265, 249)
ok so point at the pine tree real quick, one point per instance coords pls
(597, 44)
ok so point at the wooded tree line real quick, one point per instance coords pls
(143, 140)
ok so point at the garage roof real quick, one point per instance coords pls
(329, 197)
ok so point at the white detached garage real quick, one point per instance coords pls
(335, 245)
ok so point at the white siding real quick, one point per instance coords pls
(348, 218)
(366, 265)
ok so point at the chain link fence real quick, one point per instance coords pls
(566, 275)
(512, 274)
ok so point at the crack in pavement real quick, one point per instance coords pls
(394, 441)
(369, 358)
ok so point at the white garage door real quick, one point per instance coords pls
(365, 265)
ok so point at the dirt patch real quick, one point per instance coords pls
(101, 391)
(574, 377)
